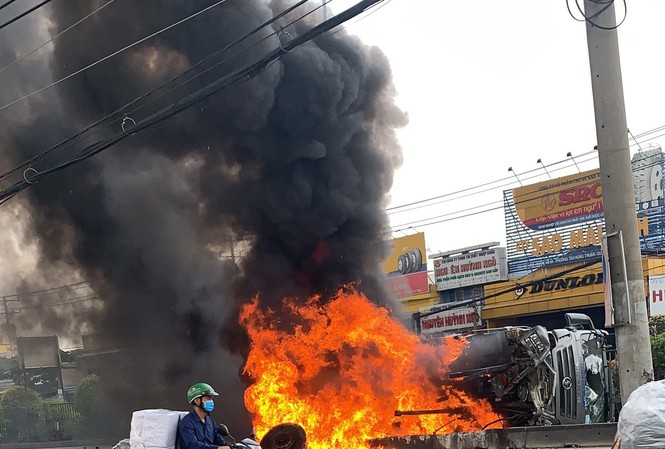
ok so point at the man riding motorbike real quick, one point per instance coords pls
(197, 430)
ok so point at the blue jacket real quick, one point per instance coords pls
(194, 434)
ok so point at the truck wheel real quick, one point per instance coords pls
(285, 436)
(401, 264)
(416, 257)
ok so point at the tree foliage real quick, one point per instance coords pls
(657, 329)
(88, 395)
(20, 408)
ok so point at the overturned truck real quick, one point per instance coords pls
(536, 377)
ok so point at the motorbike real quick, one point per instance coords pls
(282, 436)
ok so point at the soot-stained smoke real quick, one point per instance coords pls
(296, 164)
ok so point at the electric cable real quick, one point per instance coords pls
(74, 286)
(64, 302)
(240, 76)
(392, 211)
(512, 183)
(23, 14)
(70, 140)
(591, 19)
(459, 304)
(7, 3)
(117, 52)
(30, 53)
(406, 226)
(370, 11)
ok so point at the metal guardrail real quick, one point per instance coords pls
(550, 437)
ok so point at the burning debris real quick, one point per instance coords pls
(341, 368)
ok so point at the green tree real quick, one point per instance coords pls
(89, 402)
(20, 407)
(657, 329)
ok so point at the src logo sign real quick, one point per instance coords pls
(579, 194)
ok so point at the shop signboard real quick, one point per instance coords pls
(475, 268)
(449, 320)
(657, 295)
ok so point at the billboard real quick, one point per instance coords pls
(449, 320)
(561, 221)
(406, 266)
(481, 267)
(38, 352)
(558, 202)
(657, 295)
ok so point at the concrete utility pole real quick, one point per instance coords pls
(631, 320)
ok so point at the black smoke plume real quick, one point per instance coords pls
(290, 170)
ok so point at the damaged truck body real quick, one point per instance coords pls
(536, 377)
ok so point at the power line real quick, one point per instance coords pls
(20, 16)
(477, 192)
(238, 77)
(591, 19)
(7, 3)
(482, 185)
(422, 205)
(405, 226)
(73, 286)
(64, 302)
(16, 61)
(460, 304)
(457, 305)
(425, 200)
(117, 52)
(71, 140)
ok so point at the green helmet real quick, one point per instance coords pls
(198, 390)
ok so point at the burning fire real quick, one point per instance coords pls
(341, 369)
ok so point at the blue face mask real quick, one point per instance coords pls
(208, 406)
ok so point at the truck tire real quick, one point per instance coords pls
(285, 436)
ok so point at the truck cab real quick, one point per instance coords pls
(536, 377)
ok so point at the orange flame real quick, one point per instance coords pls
(341, 369)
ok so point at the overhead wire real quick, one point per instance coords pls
(447, 195)
(517, 284)
(110, 55)
(428, 201)
(591, 19)
(32, 52)
(66, 143)
(23, 14)
(69, 301)
(212, 88)
(406, 226)
(73, 286)
(465, 303)
(7, 3)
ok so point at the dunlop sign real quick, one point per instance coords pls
(481, 267)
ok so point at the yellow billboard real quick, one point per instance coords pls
(562, 201)
(406, 267)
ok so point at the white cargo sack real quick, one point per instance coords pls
(642, 420)
(154, 429)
